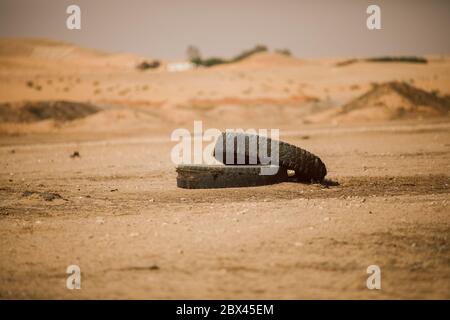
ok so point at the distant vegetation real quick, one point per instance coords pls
(247, 53)
(346, 62)
(144, 65)
(406, 59)
(209, 62)
(409, 59)
(285, 52)
(213, 61)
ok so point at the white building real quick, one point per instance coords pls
(179, 66)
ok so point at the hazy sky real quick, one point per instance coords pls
(164, 28)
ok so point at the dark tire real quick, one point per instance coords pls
(220, 176)
(306, 165)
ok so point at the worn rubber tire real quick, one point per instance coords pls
(306, 165)
(220, 176)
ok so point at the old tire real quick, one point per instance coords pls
(220, 176)
(306, 165)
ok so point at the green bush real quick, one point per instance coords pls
(247, 53)
(213, 61)
(285, 52)
(410, 59)
(144, 65)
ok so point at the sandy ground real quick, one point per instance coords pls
(284, 241)
(134, 234)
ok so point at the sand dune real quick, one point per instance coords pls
(45, 110)
(67, 116)
(388, 101)
(44, 48)
(45, 53)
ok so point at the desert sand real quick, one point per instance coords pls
(382, 129)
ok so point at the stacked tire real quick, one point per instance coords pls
(243, 163)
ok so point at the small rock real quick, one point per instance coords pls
(27, 193)
(47, 196)
(75, 154)
(134, 234)
(50, 196)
